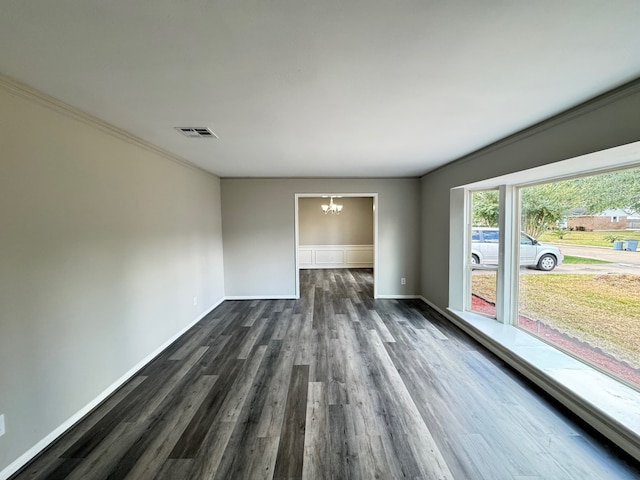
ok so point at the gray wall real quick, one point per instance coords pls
(103, 246)
(258, 232)
(606, 122)
(354, 225)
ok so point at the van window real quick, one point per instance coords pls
(491, 236)
(525, 239)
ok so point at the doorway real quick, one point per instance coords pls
(338, 249)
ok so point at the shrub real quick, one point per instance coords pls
(612, 237)
(560, 232)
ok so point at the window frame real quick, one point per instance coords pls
(597, 398)
(508, 253)
(509, 187)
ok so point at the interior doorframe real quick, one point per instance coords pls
(374, 196)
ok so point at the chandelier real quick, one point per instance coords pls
(332, 208)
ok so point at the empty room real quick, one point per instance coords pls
(319, 240)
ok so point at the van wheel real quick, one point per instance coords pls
(474, 259)
(547, 263)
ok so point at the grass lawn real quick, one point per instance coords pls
(570, 259)
(603, 310)
(596, 239)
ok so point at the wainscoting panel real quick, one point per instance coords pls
(335, 256)
(329, 257)
(305, 257)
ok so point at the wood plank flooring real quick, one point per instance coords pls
(332, 386)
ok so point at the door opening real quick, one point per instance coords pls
(331, 240)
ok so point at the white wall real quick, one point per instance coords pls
(259, 242)
(103, 246)
(354, 225)
(606, 122)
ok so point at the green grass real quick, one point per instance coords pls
(596, 239)
(604, 309)
(570, 259)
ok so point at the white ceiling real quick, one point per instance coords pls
(329, 88)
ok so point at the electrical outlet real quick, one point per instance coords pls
(195, 301)
(2, 430)
(403, 281)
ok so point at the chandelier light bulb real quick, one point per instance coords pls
(332, 208)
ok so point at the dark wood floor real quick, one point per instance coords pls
(335, 385)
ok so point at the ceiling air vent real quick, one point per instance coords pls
(196, 132)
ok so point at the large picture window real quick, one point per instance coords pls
(569, 258)
(589, 305)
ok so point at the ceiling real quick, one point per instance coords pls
(331, 88)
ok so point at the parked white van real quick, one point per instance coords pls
(484, 250)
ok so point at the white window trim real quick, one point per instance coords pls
(608, 405)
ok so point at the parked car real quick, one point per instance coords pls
(484, 250)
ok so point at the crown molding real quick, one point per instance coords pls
(24, 91)
(595, 103)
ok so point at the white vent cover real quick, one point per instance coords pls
(196, 132)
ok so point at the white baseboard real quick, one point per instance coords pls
(261, 297)
(336, 266)
(398, 297)
(27, 456)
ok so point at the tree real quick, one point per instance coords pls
(485, 208)
(620, 189)
(542, 206)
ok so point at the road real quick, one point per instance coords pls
(622, 261)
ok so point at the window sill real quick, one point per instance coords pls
(609, 406)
